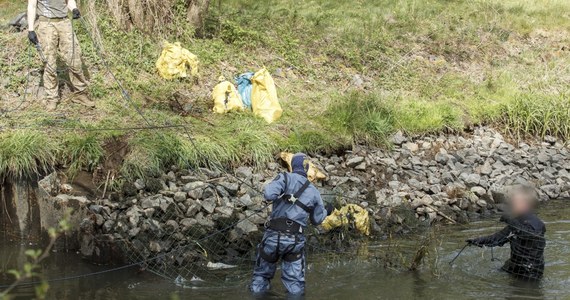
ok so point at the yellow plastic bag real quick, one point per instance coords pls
(264, 100)
(226, 97)
(347, 215)
(175, 60)
(313, 174)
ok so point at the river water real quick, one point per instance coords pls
(474, 275)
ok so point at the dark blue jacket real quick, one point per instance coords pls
(285, 209)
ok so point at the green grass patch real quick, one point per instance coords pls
(26, 153)
(538, 115)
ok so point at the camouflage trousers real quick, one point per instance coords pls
(56, 36)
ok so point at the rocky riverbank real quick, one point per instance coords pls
(446, 178)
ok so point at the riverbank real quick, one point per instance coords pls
(345, 75)
(421, 180)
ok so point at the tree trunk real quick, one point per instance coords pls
(197, 11)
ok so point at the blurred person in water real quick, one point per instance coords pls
(525, 234)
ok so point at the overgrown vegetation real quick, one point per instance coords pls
(346, 73)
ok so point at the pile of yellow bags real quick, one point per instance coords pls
(350, 214)
(313, 174)
(174, 62)
(264, 101)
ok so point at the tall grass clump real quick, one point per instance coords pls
(150, 153)
(538, 115)
(82, 152)
(26, 153)
(364, 116)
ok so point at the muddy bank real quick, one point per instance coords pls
(445, 178)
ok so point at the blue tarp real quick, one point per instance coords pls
(244, 87)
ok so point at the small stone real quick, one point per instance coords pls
(224, 210)
(171, 225)
(441, 158)
(245, 200)
(361, 167)
(543, 158)
(96, 208)
(447, 178)
(108, 226)
(232, 188)
(193, 210)
(472, 180)
(244, 172)
(154, 247)
(99, 220)
(413, 147)
(395, 185)
(246, 227)
(427, 200)
(550, 139)
(188, 178)
(486, 169)
(139, 184)
(479, 191)
(399, 138)
(194, 185)
(482, 203)
(209, 205)
(187, 223)
(180, 196)
(133, 232)
(196, 194)
(355, 161)
(151, 202)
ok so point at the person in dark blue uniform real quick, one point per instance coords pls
(525, 234)
(295, 201)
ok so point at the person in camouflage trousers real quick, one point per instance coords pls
(55, 36)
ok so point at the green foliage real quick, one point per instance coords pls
(539, 115)
(26, 153)
(30, 268)
(364, 116)
(82, 152)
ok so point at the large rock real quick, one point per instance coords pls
(246, 227)
(472, 180)
(194, 185)
(398, 138)
(413, 147)
(230, 187)
(209, 205)
(479, 191)
(354, 161)
(180, 196)
(552, 190)
(425, 201)
(244, 172)
(151, 202)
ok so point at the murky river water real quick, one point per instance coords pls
(473, 276)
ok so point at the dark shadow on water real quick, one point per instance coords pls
(525, 289)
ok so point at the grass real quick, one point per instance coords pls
(426, 66)
(26, 153)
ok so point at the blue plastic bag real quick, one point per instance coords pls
(244, 87)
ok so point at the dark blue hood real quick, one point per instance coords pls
(300, 164)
